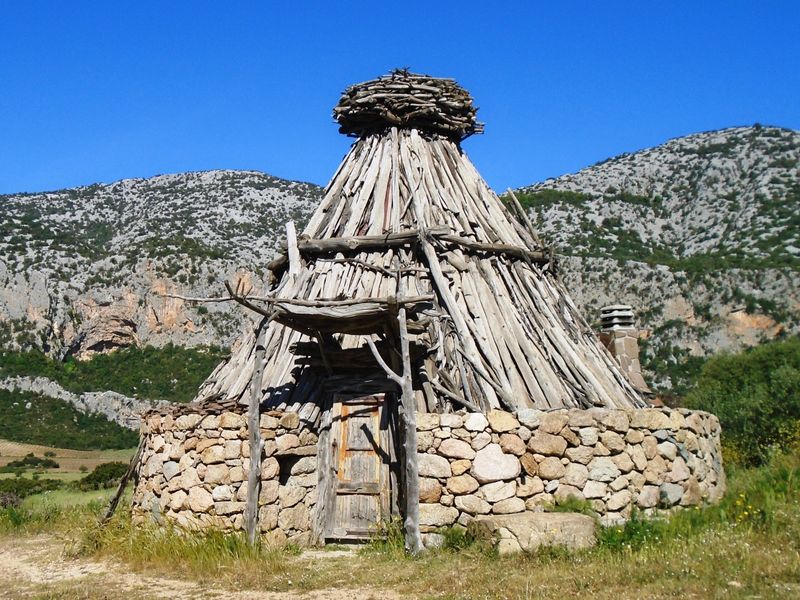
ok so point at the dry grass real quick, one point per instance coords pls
(747, 547)
(70, 461)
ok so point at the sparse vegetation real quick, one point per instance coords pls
(746, 546)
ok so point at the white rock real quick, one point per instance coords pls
(475, 422)
(490, 464)
(431, 465)
(498, 490)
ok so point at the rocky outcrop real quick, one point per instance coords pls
(115, 407)
(697, 234)
(88, 269)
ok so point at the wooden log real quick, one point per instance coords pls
(254, 437)
(292, 253)
(413, 539)
(349, 244)
(133, 467)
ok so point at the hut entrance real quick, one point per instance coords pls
(362, 452)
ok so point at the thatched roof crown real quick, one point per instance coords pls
(407, 100)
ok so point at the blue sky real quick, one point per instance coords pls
(99, 91)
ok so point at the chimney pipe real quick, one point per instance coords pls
(618, 333)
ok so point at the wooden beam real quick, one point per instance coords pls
(535, 256)
(254, 436)
(349, 244)
(408, 409)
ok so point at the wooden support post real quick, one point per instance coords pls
(408, 411)
(132, 468)
(408, 416)
(254, 436)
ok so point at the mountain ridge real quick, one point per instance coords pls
(698, 233)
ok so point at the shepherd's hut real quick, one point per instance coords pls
(419, 357)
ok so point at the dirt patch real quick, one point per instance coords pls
(39, 566)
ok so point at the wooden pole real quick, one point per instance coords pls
(408, 410)
(524, 216)
(408, 415)
(292, 251)
(254, 436)
(132, 467)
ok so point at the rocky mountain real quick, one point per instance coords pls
(87, 269)
(701, 235)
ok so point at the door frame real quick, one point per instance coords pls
(328, 451)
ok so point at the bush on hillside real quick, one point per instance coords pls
(22, 486)
(103, 476)
(29, 462)
(756, 395)
(169, 373)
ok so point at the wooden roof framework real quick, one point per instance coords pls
(413, 272)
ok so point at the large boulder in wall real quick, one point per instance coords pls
(529, 531)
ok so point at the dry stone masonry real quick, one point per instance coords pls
(475, 465)
(194, 473)
(471, 466)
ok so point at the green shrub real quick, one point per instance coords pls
(756, 395)
(29, 462)
(168, 373)
(103, 476)
(760, 498)
(22, 487)
(53, 422)
(572, 504)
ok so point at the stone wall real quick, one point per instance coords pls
(651, 459)
(194, 473)
(194, 466)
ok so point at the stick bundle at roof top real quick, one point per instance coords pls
(499, 330)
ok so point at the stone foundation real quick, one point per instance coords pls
(617, 460)
(194, 473)
(194, 466)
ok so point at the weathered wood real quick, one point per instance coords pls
(413, 539)
(350, 244)
(360, 486)
(292, 251)
(525, 219)
(503, 335)
(535, 256)
(133, 466)
(254, 437)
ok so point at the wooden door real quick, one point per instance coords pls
(361, 457)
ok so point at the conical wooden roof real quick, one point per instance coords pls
(492, 325)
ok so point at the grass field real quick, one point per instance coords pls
(746, 547)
